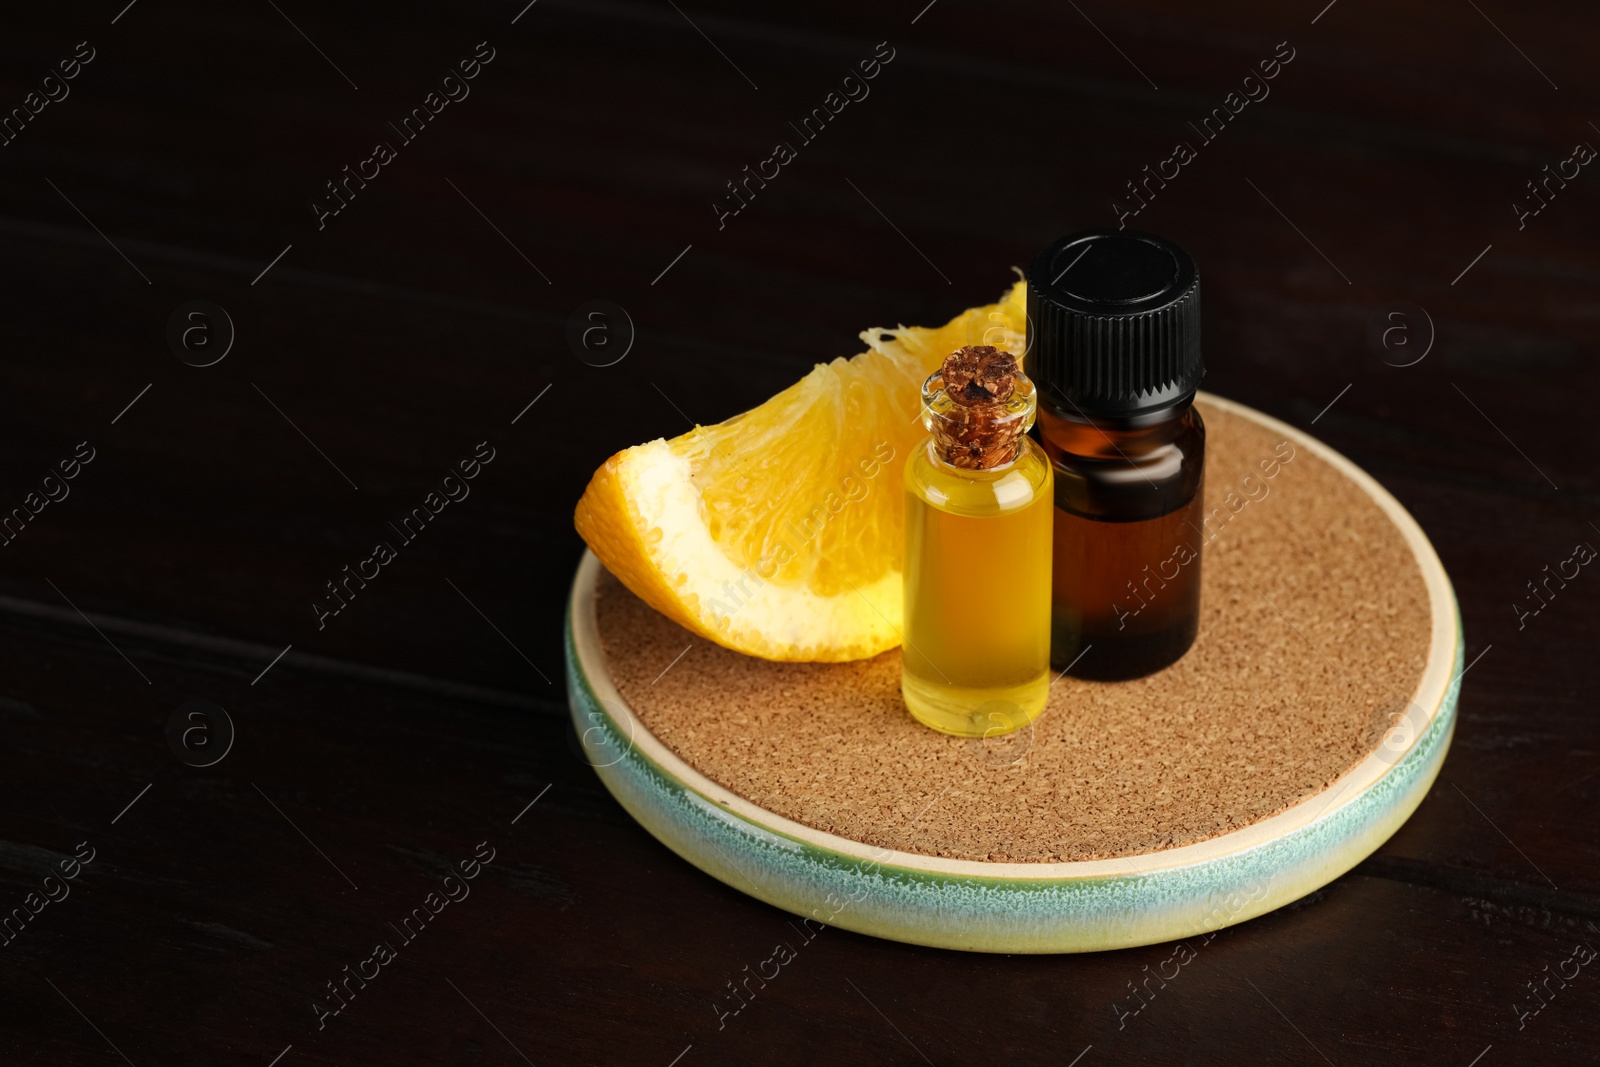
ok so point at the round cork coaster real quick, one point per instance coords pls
(1303, 727)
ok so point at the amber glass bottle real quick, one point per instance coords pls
(1114, 351)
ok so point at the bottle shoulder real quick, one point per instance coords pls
(1126, 474)
(1026, 480)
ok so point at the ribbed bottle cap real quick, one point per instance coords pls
(1114, 324)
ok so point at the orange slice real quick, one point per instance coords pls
(778, 532)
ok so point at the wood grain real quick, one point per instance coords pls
(414, 725)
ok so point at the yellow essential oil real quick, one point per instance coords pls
(979, 506)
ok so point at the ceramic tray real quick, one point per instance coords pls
(1029, 907)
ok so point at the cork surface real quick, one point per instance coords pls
(1314, 633)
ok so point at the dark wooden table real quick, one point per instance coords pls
(1376, 175)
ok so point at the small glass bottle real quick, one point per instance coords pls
(976, 648)
(1114, 349)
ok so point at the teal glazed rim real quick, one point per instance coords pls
(1080, 906)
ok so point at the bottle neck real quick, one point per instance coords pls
(981, 474)
(977, 436)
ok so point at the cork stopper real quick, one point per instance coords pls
(978, 406)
